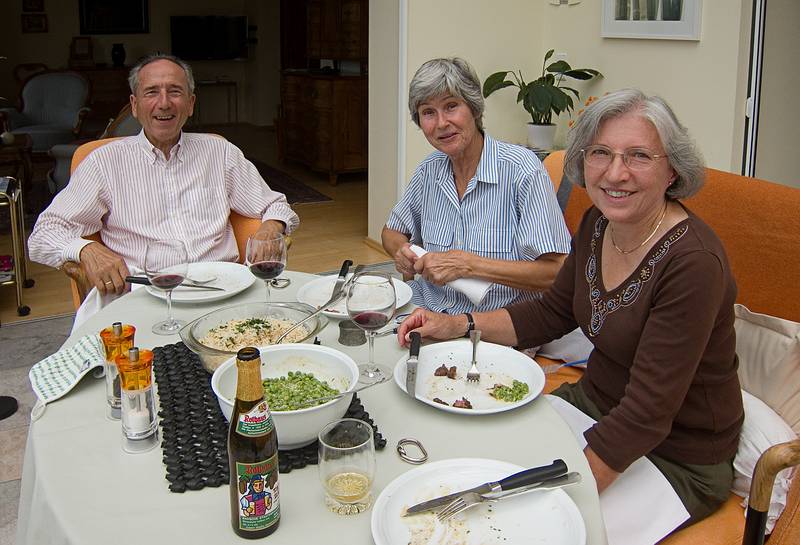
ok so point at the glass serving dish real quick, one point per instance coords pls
(194, 331)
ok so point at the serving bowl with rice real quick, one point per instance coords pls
(218, 335)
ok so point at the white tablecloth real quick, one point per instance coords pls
(79, 487)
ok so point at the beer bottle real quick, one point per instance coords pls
(252, 453)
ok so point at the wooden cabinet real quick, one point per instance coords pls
(338, 29)
(109, 92)
(324, 122)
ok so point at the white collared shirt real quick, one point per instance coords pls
(129, 192)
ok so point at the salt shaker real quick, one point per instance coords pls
(139, 417)
(117, 340)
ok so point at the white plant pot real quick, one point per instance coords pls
(541, 136)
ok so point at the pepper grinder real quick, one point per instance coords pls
(139, 417)
(117, 339)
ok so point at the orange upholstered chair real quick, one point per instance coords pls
(759, 223)
(243, 227)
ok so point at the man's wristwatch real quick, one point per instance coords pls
(470, 324)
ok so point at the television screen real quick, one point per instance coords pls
(209, 38)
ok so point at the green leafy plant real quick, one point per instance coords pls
(545, 95)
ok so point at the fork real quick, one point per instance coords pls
(201, 281)
(468, 499)
(474, 375)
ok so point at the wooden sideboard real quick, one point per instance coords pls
(338, 29)
(109, 93)
(323, 122)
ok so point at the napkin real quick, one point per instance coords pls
(56, 375)
(640, 507)
(473, 288)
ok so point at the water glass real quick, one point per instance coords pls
(347, 465)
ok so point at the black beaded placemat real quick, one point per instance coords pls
(194, 431)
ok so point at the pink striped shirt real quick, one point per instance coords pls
(130, 192)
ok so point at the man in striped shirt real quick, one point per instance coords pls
(161, 184)
(481, 208)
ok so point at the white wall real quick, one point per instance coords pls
(699, 79)
(704, 81)
(384, 130)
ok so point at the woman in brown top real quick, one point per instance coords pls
(650, 285)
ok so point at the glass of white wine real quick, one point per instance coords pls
(347, 465)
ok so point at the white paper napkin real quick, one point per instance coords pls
(473, 288)
(640, 507)
(56, 375)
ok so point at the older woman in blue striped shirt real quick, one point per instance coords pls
(481, 208)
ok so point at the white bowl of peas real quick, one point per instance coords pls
(293, 374)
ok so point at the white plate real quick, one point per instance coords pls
(319, 290)
(547, 517)
(497, 365)
(232, 277)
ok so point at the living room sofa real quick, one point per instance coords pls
(759, 224)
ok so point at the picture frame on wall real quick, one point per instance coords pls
(652, 19)
(34, 22)
(114, 16)
(32, 5)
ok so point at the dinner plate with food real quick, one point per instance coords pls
(231, 278)
(536, 517)
(509, 379)
(318, 291)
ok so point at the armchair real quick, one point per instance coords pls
(52, 106)
(122, 125)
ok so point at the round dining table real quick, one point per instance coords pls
(79, 486)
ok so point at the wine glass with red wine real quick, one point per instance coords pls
(371, 302)
(266, 257)
(165, 264)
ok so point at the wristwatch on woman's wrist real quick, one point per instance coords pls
(470, 324)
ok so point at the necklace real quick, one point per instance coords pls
(645, 241)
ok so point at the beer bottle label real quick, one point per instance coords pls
(259, 500)
(256, 423)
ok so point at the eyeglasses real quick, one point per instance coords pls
(634, 158)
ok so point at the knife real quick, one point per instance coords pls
(337, 288)
(411, 364)
(517, 480)
(146, 282)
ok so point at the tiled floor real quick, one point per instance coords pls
(22, 346)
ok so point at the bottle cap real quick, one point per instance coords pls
(117, 328)
(133, 354)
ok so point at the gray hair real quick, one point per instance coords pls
(452, 76)
(133, 77)
(683, 155)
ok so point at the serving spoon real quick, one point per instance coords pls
(308, 402)
(330, 302)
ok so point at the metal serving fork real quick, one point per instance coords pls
(467, 500)
(474, 375)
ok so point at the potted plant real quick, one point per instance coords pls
(543, 96)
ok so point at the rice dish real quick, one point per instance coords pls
(236, 334)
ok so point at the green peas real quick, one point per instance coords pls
(291, 392)
(515, 392)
